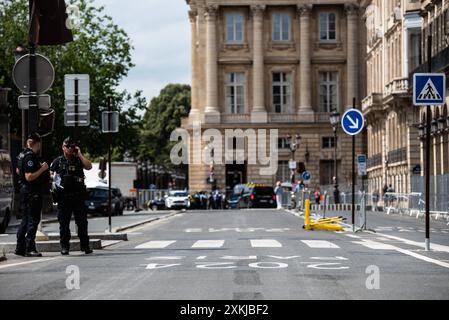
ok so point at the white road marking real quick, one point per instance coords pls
(320, 244)
(433, 246)
(155, 244)
(208, 244)
(265, 243)
(239, 258)
(165, 258)
(352, 236)
(374, 245)
(25, 262)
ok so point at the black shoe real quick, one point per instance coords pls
(34, 254)
(87, 250)
(65, 252)
(20, 253)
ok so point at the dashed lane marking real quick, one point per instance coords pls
(208, 244)
(265, 243)
(155, 245)
(320, 244)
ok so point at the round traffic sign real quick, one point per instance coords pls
(45, 74)
(353, 122)
(306, 176)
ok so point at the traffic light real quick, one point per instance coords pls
(48, 23)
(103, 167)
(46, 123)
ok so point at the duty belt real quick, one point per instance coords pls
(78, 179)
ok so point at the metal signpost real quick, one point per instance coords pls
(77, 105)
(428, 89)
(353, 123)
(110, 125)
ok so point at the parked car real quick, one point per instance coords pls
(157, 204)
(233, 201)
(97, 201)
(177, 200)
(257, 196)
(6, 189)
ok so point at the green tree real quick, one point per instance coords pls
(161, 119)
(101, 49)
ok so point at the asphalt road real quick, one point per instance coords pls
(256, 254)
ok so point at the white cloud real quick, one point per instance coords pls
(160, 33)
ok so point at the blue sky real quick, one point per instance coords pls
(160, 33)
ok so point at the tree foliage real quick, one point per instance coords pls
(101, 49)
(161, 119)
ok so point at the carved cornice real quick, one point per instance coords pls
(304, 10)
(193, 14)
(352, 10)
(211, 12)
(258, 10)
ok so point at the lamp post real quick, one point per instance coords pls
(334, 119)
(294, 146)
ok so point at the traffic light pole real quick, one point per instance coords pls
(353, 175)
(428, 133)
(110, 165)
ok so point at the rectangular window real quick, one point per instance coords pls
(328, 29)
(283, 143)
(281, 27)
(328, 143)
(235, 92)
(282, 94)
(234, 28)
(328, 91)
(283, 173)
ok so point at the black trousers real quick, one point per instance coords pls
(68, 205)
(31, 206)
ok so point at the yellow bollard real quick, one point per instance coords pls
(307, 215)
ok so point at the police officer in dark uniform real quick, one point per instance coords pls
(68, 175)
(34, 177)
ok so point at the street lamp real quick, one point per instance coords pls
(422, 131)
(294, 146)
(334, 119)
(434, 127)
(441, 123)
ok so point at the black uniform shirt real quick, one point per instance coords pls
(70, 172)
(31, 164)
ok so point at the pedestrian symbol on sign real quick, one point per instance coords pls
(429, 92)
(429, 89)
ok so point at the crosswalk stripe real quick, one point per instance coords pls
(320, 244)
(265, 243)
(208, 244)
(155, 245)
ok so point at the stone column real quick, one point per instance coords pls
(305, 68)
(194, 112)
(212, 113)
(352, 13)
(259, 112)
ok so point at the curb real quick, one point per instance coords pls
(137, 224)
(53, 220)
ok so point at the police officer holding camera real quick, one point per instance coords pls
(68, 175)
(34, 177)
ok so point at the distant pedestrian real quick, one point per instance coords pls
(317, 196)
(279, 194)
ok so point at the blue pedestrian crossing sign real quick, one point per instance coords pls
(353, 122)
(429, 89)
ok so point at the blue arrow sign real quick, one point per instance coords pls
(353, 122)
(429, 89)
(306, 176)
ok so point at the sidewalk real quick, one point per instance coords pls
(98, 230)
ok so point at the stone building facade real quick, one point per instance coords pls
(435, 16)
(275, 64)
(397, 33)
(393, 52)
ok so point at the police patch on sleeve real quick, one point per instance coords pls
(30, 164)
